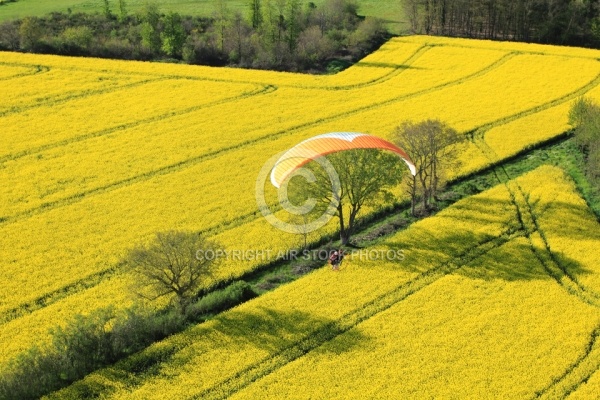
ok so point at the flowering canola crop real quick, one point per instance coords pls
(470, 311)
(97, 155)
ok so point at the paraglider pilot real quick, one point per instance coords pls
(335, 259)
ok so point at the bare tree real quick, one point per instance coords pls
(174, 263)
(430, 145)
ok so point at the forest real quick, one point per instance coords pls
(563, 22)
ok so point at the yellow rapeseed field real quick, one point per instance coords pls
(98, 155)
(470, 311)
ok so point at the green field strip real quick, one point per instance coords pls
(548, 260)
(169, 169)
(558, 269)
(98, 277)
(207, 156)
(529, 224)
(331, 330)
(577, 373)
(133, 373)
(73, 199)
(103, 132)
(589, 362)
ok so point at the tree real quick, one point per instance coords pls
(9, 35)
(122, 10)
(293, 23)
(106, 9)
(239, 34)
(149, 28)
(431, 146)
(174, 264)
(365, 177)
(584, 117)
(172, 35)
(256, 14)
(221, 22)
(31, 32)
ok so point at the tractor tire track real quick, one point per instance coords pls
(396, 70)
(350, 320)
(103, 132)
(421, 50)
(553, 267)
(78, 95)
(35, 70)
(74, 198)
(479, 132)
(52, 297)
(211, 155)
(84, 284)
(95, 279)
(577, 373)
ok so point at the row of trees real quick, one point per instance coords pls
(272, 34)
(366, 177)
(543, 21)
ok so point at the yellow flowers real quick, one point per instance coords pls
(471, 311)
(264, 333)
(97, 155)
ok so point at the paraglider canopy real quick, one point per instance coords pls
(328, 143)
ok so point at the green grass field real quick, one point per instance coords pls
(387, 10)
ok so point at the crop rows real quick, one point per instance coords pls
(321, 299)
(82, 190)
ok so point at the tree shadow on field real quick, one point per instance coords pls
(458, 239)
(234, 332)
(274, 330)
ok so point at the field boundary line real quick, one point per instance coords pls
(479, 133)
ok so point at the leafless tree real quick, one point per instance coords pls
(430, 144)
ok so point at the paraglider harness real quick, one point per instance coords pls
(336, 258)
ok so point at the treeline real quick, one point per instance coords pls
(272, 34)
(565, 22)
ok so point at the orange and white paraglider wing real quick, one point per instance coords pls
(328, 143)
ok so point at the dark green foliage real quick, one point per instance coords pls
(256, 16)
(90, 342)
(584, 116)
(172, 35)
(221, 300)
(281, 35)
